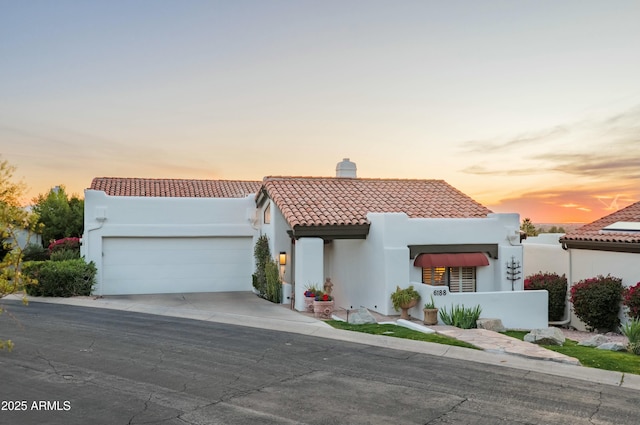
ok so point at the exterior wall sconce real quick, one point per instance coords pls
(282, 258)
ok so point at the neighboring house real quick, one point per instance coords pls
(610, 245)
(366, 235)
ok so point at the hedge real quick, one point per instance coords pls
(60, 278)
(556, 286)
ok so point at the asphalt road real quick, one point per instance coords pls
(74, 365)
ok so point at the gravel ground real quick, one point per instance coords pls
(581, 336)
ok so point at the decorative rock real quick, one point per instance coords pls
(361, 317)
(491, 324)
(594, 341)
(548, 336)
(612, 346)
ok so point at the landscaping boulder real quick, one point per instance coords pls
(491, 324)
(594, 341)
(548, 336)
(612, 346)
(361, 317)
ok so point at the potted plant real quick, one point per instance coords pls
(404, 299)
(430, 313)
(323, 306)
(309, 297)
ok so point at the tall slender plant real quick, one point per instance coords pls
(274, 283)
(262, 255)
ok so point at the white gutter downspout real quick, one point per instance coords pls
(567, 305)
(101, 221)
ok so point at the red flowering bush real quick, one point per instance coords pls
(65, 244)
(631, 300)
(556, 286)
(596, 301)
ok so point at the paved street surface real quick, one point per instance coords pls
(76, 365)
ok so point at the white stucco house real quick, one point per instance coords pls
(366, 235)
(609, 245)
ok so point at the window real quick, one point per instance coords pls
(458, 279)
(267, 214)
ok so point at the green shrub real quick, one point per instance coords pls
(403, 296)
(274, 284)
(596, 301)
(262, 254)
(60, 278)
(556, 286)
(460, 316)
(64, 255)
(35, 252)
(631, 300)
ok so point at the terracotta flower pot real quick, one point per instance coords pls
(323, 309)
(404, 309)
(430, 316)
(308, 303)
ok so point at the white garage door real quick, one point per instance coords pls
(176, 265)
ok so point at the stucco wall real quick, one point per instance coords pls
(365, 272)
(128, 216)
(544, 253)
(516, 309)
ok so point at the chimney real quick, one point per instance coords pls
(346, 169)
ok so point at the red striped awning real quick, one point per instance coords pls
(462, 259)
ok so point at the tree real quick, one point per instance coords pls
(61, 217)
(556, 229)
(14, 220)
(528, 227)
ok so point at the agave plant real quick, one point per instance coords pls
(631, 330)
(460, 316)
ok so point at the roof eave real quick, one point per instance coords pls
(632, 247)
(331, 232)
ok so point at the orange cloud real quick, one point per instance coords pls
(566, 205)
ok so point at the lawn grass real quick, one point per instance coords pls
(399, 332)
(619, 361)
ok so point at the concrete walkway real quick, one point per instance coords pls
(246, 309)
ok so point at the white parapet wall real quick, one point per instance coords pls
(516, 309)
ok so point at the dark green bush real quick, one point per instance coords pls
(596, 301)
(35, 252)
(262, 254)
(64, 255)
(556, 286)
(60, 278)
(274, 284)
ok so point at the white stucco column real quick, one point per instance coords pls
(309, 267)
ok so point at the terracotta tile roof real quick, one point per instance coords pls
(594, 231)
(320, 201)
(174, 188)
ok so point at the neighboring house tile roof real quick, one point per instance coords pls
(175, 188)
(331, 201)
(595, 232)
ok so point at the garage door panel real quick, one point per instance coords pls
(168, 265)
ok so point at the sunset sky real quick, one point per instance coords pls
(527, 106)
